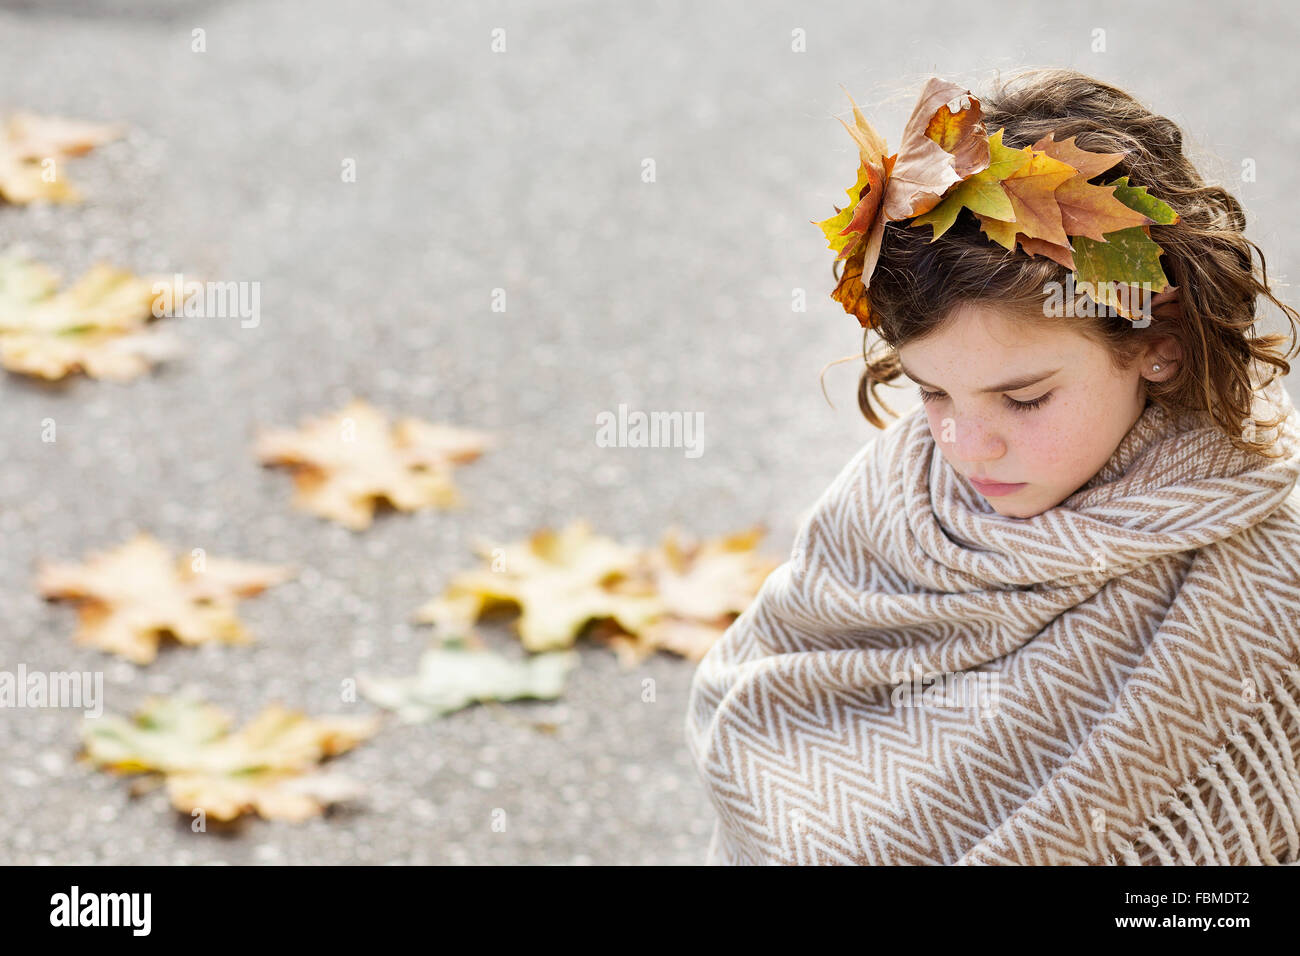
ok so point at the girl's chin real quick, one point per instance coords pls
(1015, 506)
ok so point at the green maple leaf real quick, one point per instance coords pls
(1128, 255)
(1137, 198)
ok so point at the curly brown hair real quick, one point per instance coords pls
(918, 282)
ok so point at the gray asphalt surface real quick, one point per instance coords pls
(475, 171)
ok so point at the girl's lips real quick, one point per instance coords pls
(993, 489)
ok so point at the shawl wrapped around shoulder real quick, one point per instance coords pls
(1113, 681)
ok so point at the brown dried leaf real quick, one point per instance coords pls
(268, 767)
(679, 596)
(1032, 191)
(131, 596)
(703, 586)
(28, 142)
(925, 168)
(940, 147)
(97, 326)
(1088, 164)
(345, 463)
(559, 580)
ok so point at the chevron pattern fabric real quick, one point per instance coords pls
(1113, 681)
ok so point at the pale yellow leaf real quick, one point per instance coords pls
(269, 767)
(346, 463)
(32, 150)
(99, 325)
(131, 596)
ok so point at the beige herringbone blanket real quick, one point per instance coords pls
(1115, 680)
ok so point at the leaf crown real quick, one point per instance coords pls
(1037, 197)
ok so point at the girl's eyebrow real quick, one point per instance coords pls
(1021, 381)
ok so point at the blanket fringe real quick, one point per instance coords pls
(1203, 823)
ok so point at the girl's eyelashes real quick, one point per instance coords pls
(1011, 402)
(1036, 403)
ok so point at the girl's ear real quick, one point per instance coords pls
(1161, 359)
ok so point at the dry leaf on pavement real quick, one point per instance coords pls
(450, 677)
(679, 596)
(131, 596)
(703, 586)
(345, 463)
(558, 580)
(268, 767)
(98, 325)
(32, 150)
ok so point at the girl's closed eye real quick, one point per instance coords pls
(927, 396)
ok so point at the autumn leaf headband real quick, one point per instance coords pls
(1038, 196)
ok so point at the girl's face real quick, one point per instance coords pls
(1035, 406)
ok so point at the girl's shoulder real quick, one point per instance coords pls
(1273, 542)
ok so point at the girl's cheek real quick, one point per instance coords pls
(1064, 436)
(941, 427)
(1051, 445)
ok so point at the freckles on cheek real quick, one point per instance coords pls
(1046, 451)
(1061, 442)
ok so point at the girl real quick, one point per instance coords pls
(1052, 615)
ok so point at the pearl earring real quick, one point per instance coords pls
(1155, 368)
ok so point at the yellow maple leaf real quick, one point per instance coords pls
(703, 586)
(345, 463)
(558, 580)
(837, 227)
(97, 325)
(1031, 189)
(32, 149)
(268, 767)
(1066, 205)
(679, 596)
(131, 596)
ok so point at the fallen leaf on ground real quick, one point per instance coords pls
(131, 596)
(703, 586)
(450, 677)
(98, 325)
(268, 767)
(679, 596)
(345, 463)
(32, 149)
(558, 580)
